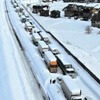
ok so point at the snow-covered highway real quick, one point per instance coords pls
(90, 89)
(15, 82)
(24, 74)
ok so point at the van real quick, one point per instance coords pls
(28, 27)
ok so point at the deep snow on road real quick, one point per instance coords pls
(15, 82)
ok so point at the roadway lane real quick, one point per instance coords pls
(14, 82)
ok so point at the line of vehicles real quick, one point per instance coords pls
(54, 58)
(24, 17)
(41, 40)
(48, 50)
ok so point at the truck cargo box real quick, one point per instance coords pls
(51, 61)
(53, 48)
(42, 47)
(64, 61)
(36, 38)
(70, 88)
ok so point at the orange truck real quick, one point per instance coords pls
(51, 61)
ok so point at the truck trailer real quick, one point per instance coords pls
(53, 49)
(36, 38)
(70, 88)
(51, 61)
(42, 47)
(65, 65)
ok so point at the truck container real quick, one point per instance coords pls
(44, 37)
(42, 47)
(51, 61)
(36, 38)
(65, 65)
(70, 88)
(53, 49)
